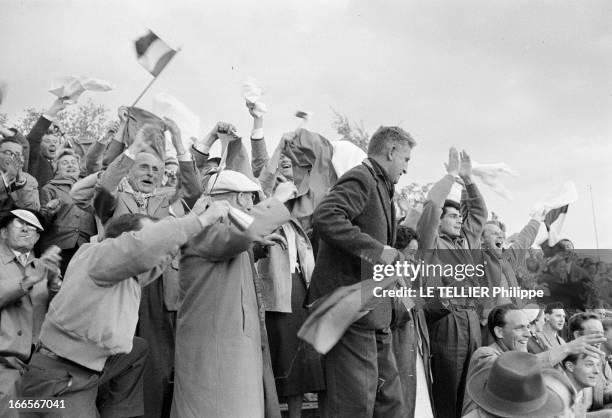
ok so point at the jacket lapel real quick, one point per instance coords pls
(383, 193)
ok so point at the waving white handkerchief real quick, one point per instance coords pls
(70, 88)
(252, 93)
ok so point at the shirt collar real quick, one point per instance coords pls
(18, 254)
(380, 172)
(7, 254)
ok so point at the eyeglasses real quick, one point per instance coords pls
(11, 154)
(19, 224)
(253, 196)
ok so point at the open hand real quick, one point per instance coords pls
(465, 166)
(452, 167)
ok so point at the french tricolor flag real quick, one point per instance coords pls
(554, 222)
(153, 53)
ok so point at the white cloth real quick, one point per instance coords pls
(559, 196)
(422, 406)
(291, 246)
(252, 93)
(165, 105)
(70, 88)
(490, 175)
(346, 155)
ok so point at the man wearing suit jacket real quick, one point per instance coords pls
(356, 224)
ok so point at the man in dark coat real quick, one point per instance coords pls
(356, 224)
(44, 140)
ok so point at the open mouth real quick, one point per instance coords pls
(146, 182)
(499, 243)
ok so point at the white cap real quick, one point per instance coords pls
(231, 181)
(28, 217)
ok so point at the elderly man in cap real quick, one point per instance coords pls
(515, 386)
(88, 354)
(26, 285)
(223, 367)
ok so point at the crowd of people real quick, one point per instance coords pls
(139, 283)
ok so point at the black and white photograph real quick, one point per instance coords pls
(317, 209)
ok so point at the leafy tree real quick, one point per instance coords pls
(83, 123)
(412, 196)
(352, 132)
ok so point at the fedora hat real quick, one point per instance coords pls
(514, 387)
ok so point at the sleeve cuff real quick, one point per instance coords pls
(257, 134)
(49, 118)
(129, 154)
(202, 149)
(184, 157)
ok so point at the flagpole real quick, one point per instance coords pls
(154, 78)
(594, 222)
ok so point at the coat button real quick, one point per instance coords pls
(19, 333)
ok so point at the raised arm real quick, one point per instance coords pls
(473, 207)
(429, 222)
(27, 197)
(223, 241)
(201, 147)
(36, 133)
(259, 152)
(106, 188)
(93, 158)
(137, 252)
(190, 188)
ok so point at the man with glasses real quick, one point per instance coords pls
(17, 189)
(26, 286)
(223, 366)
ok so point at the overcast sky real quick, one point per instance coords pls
(528, 83)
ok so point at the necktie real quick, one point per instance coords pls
(23, 259)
